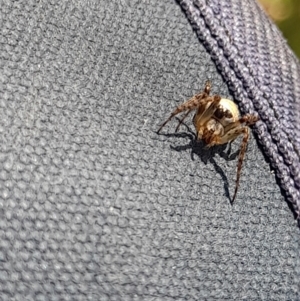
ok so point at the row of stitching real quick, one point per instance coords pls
(281, 98)
(278, 100)
(266, 114)
(294, 72)
(265, 110)
(259, 106)
(275, 142)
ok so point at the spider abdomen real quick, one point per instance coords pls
(227, 112)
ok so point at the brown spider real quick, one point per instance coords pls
(217, 121)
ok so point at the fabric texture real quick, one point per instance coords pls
(94, 205)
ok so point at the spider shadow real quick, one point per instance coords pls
(206, 154)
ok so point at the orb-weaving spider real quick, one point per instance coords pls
(217, 121)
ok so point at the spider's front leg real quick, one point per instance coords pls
(189, 105)
(233, 130)
(248, 119)
(182, 120)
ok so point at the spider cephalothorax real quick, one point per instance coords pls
(217, 121)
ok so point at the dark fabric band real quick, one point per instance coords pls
(263, 75)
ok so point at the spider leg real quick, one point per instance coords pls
(204, 114)
(207, 114)
(234, 129)
(207, 87)
(182, 119)
(190, 104)
(245, 131)
(248, 119)
(231, 135)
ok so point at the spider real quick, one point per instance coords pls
(216, 121)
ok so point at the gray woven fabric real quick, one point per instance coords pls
(264, 76)
(94, 205)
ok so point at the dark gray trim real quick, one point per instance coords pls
(263, 75)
